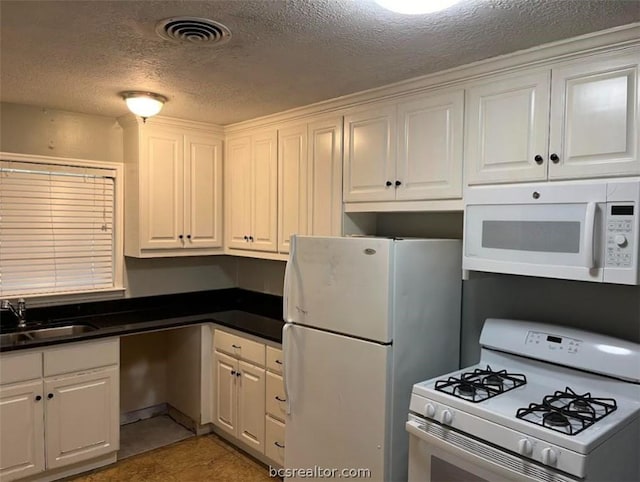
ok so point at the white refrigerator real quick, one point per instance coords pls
(366, 318)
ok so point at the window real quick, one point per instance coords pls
(58, 228)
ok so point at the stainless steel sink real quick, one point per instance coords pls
(12, 338)
(44, 333)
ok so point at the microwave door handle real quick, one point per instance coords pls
(589, 234)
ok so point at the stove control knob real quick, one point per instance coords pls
(446, 417)
(525, 447)
(549, 456)
(429, 410)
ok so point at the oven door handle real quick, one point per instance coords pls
(589, 234)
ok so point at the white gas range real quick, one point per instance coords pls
(545, 403)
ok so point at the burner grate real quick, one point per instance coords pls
(567, 412)
(480, 385)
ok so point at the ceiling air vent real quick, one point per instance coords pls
(194, 30)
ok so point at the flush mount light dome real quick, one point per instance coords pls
(416, 7)
(144, 104)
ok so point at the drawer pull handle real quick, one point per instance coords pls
(278, 445)
(280, 399)
(237, 347)
(278, 362)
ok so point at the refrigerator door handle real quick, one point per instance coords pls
(285, 372)
(287, 279)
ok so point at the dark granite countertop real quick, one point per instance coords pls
(253, 313)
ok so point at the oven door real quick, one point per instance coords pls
(552, 232)
(438, 454)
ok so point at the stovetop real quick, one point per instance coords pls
(532, 390)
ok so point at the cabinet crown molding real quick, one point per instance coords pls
(130, 120)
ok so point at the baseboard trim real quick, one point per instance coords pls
(144, 413)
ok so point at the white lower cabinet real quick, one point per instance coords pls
(53, 417)
(248, 394)
(82, 413)
(22, 433)
(239, 385)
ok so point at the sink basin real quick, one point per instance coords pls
(54, 332)
(12, 338)
(44, 333)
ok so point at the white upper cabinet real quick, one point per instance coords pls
(292, 184)
(507, 129)
(429, 164)
(577, 120)
(173, 188)
(594, 118)
(251, 191)
(325, 177)
(410, 151)
(370, 154)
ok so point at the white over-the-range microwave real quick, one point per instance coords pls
(578, 230)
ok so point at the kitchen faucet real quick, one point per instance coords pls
(20, 311)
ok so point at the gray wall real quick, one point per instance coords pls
(612, 310)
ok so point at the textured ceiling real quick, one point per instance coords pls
(77, 55)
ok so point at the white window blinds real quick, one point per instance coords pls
(56, 228)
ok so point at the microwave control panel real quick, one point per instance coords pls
(620, 236)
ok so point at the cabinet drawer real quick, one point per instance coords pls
(274, 359)
(83, 356)
(17, 367)
(274, 440)
(239, 347)
(276, 404)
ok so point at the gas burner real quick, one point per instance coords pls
(567, 412)
(480, 385)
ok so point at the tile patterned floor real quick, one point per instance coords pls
(204, 458)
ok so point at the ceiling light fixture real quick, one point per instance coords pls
(416, 7)
(144, 104)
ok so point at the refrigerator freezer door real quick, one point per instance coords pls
(342, 285)
(350, 378)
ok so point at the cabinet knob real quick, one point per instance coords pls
(188, 236)
(180, 236)
(388, 183)
(398, 183)
(246, 238)
(38, 398)
(538, 159)
(233, 373)
(251, 239)
(554, 158)
(238, 373)
(50, 396)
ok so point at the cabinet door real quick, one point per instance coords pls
(82, 416)
(370, 157)
(162, 189)
(292, 184)
(430, 146)
(506, 128)
(22, 433)
(224, 392)
(203, 185)
(251, 409)
(325, 178)
(264, 205)
(238, 192)
(594, 118)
